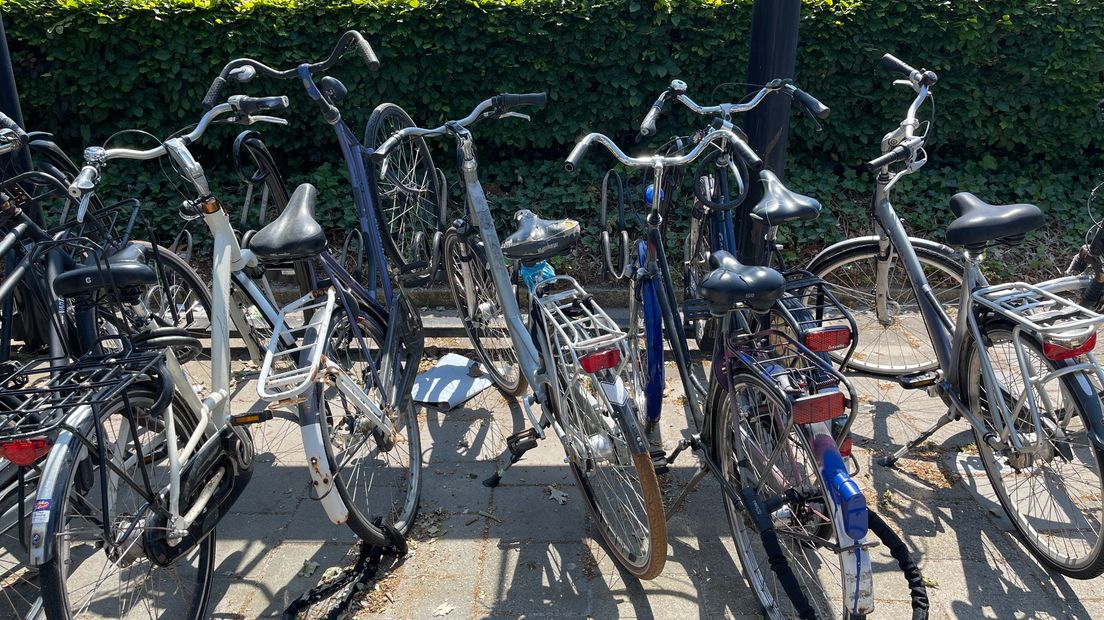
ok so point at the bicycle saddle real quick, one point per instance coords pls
(537, 239)
(732, 284)
(124, 269)
(779, 205)
(294, 234)
(978, 222)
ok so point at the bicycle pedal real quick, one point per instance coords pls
(251, 417)
(659, 462)
(522, 442)
(918, 380)
(695, 309)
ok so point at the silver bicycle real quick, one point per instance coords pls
(1015, 360)
(571, 353)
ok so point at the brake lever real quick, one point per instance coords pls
(525, 117)
(83, 209)
(253, 119)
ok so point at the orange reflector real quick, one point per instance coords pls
(24, 452)
(600, 360)
(823, 339)
(818, 407)
(1055, 351)
(845, 448)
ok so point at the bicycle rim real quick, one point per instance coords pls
(484, 322)
(84, 581)
(805, 528)
(1055, 502)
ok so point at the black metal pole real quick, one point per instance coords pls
(9, 102)
(773, 55)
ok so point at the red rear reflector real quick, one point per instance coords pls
(823, 339)
(1056, 352)
(24, 452)
(818, 407)
(845, 448)
(600, 360)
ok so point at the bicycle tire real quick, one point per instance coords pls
(572, 404)
(1077, 391)
(773, 586)
(428, 216)
(53, 573)
(489, 336)
(849, 267)
(348, 482)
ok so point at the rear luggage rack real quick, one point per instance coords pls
(1040, 311)
(281, 376)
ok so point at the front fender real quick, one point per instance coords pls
(836, 249)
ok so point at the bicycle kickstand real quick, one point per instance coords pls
(703, 470)
(516, 447)
(943, 420)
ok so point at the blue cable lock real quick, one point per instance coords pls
(844, 490)
(537, 273)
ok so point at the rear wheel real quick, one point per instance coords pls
(83, 580)
(411, 210)
(20, 597)
(1055, 497)
(477, 301)
(611, 461)
(744, 438)
(373, 477)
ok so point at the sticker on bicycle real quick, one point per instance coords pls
(41, 512)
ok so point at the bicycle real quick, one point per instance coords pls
(766, 427)
(571, 353)
(1014, 360)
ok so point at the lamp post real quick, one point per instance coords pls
(773, 54)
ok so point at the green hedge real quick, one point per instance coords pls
(1015, 115)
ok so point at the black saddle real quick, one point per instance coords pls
(732, 284)
(779, 205)
(123, 270)
(978, 222)
(537, 239)
(294, 234)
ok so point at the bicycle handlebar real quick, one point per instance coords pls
(20, 137)
(350, 38)
(651, 161)
(922, 77)
(500, 104)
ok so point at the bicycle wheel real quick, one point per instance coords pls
(410, 209)
(374, 479)
(696, 267)
(83, 580)
(477, 302)
(743, 440)
(898, 343)
(610, 459)
(1054, 498)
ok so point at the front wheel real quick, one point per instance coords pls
(893, 340)
(743, 440)
(1051, 487)
(375, 478)
(477, 301)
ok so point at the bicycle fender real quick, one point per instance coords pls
(1090, 403)
(850, 244)
(318, 465)
(46, 511)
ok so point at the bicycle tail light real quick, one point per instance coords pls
(600, 360)
(1057, 349)
(824, 339)
(24, 452)
(818, 407)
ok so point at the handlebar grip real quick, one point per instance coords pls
(892, 63)
(214, 93)
(754, 162)
(812, 104)
(253, 105)
(84, 183)
(366, 53)
(648, 125)
(510, 100)
(7, 123)
(899, 153)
